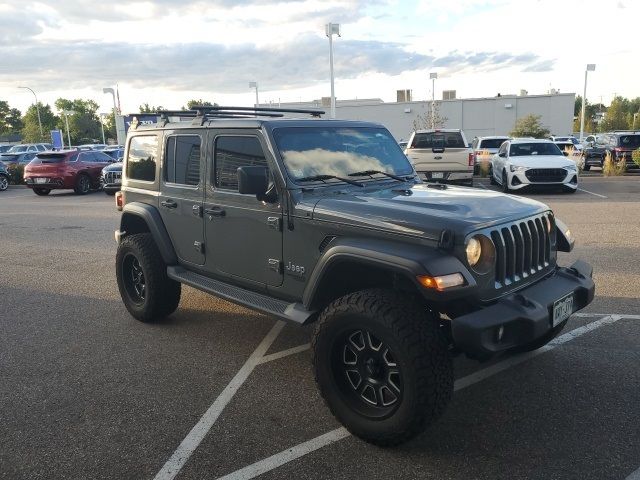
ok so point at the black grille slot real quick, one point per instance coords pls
(522, 249)
(546, 174)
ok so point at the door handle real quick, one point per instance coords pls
(215, 212)
(169, 204)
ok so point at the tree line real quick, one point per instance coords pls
(84, 122)
(621, 114)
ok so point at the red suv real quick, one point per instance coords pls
(65, 169)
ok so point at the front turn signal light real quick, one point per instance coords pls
(441, 282)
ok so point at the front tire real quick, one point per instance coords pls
(492, 179)
(505, 183)
(382, 365)
(146, 290)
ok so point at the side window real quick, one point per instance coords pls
(84, 157)
(234, 152)
(182, 160)
(503, 148)
(141, 162)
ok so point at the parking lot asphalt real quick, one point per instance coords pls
(88, 392)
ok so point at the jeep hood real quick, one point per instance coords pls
(424, 210)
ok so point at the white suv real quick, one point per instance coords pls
(526, 163)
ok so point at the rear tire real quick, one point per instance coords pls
(492, 179)
(83, 184)
(146, 290)
(586, 167)
(42, 191)
(4, 183)
(382, 365)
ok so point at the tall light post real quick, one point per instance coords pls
(102, 116)
(255, 85)
(590, 68)
(37, 110)
(332, 29)
(66, 120)
(633, 125)
(433, 76)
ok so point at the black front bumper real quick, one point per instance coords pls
(526, 315)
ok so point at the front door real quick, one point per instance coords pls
(181, 195)
(243, 235)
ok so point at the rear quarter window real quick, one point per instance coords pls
(142, 158)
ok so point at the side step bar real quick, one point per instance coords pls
(294, 312)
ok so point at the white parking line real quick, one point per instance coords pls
(172, 467)
(338, 434)
(596, 194)
(634, 476)
(285, 353)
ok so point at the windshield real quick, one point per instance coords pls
(524, 149)
(630, 141)
(339, 151)
(18, 149)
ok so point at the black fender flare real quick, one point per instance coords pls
(151, 216)
(409, 260)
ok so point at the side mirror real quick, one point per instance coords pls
(252, 180)
(502, 154)
(565, 153)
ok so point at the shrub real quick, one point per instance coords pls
(16, 174)
(635, 156)
(611, 168)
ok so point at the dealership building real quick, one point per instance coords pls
(475, 116)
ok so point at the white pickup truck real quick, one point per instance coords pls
(441, 155)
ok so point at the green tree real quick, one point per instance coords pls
(199, 102)
(84, 124)
(10, 119)
(616, 116)
(146, 108)
(529, 126)
(31, 129)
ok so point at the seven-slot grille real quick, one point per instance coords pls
(523, 248)
(546, 174)
(110, 177)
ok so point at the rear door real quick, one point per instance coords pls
(181, 194)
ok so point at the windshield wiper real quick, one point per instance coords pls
(328, 177)
(372, 172)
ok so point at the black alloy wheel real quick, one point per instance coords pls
(367, 373)
(505, 182)
(4, 183)
(133, 279)
(83, 185)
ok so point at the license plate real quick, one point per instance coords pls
(41, 180)
(437, 175)
(562, 309)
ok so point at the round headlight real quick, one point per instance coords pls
(474, 251)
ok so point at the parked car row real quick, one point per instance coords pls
(619, 145)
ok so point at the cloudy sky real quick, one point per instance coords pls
(165, 52)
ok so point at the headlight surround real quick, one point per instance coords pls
(571, 168)
(517, 168)
(480, 254)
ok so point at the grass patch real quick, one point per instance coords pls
(611, 168)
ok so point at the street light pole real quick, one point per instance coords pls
(102, 115)
(330, 30)
(590, 68)
(66, 119)
(255, 85)
(37, 110)
(433, 76)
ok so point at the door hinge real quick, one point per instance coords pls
(199, 246)
(275, 265)
(275, 223)
(197, 210)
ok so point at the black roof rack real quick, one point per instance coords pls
(201, 113)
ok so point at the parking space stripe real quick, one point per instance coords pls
(592, 193)
(172, 467)
(285, 353)
(634, 476)
(333, 436)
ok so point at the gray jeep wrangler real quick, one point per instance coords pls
(321, 220)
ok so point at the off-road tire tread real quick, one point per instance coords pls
(163, 293)
(426, 351)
